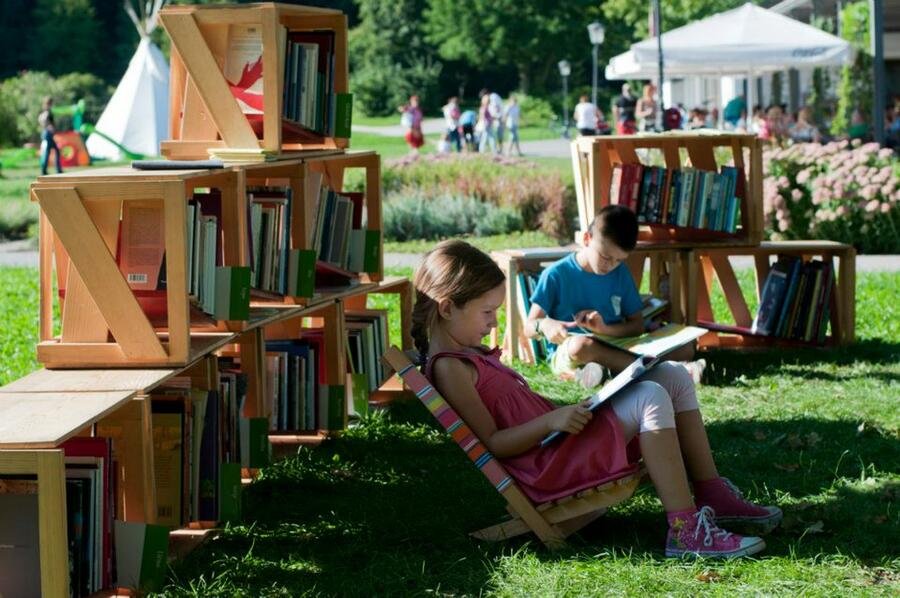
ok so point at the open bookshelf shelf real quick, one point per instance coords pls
(210, 40)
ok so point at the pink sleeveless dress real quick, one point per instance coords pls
(572, 463)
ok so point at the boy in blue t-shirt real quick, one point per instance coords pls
(593, 289)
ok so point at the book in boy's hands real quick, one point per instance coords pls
(658, 342)
(638, 368)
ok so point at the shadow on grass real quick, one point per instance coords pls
(726, 366)
(387, 508)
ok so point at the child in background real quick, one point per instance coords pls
(458, 291)
(411, 120)
(594, 290)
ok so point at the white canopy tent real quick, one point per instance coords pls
(136, 118)
(745, 41)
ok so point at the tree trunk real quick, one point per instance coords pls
(524, 79)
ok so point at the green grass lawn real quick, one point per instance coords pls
(385, 508)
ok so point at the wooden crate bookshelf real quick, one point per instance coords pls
(702, 266)
(203, 112)
(79, 232)
(293, 173)
(665, 265)
(594, 158)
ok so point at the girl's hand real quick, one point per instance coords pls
(590, 319)
(571, 418)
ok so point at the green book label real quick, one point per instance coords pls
(260, 449)
(343, 114)
(372, 262)
(155, 558)
(306, 273)
(232, 293)
(230, 492)
(360, 393)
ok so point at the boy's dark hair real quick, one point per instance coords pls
(618, 224)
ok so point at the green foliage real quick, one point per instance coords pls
(534, 111)
(527, 35)
(69, 36)
(389, 60)
(675, 13)
(408, 217)
(21, 97)
(855, 88)
(515, 240)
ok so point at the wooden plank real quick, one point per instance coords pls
(52, 532)
(45, 273)
(579, 167)
(846, 294)
(732, 290)
(81, 318)
(253, 355)
(102, 380)
(46, 420)
(273, 76)
(373, 208)
(177, 87)
(524, 508)
(762, 272)
(178, 306)
(204, 71)
(120, 309)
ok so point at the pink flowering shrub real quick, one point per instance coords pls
(838, 191)
(539, 194)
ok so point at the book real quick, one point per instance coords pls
(773, 295)
(254, 442)
(230, 492)
(243, 68)
(20, 571)
(656, 343)
(142, 552)
(232, 297)
(625, 378)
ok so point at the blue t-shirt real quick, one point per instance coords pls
(565, 288)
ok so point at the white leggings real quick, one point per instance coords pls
(652, 403)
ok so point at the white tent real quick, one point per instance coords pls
(137, 116)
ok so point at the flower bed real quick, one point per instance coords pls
(838, 191)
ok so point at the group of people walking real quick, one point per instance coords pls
(486, 130)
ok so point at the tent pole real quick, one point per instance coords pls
(750, 99)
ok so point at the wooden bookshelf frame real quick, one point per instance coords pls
(593, 160)
(203, 112)
(704, 265)
(79, 227)
(664, 262)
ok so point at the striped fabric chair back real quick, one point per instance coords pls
(448, 418)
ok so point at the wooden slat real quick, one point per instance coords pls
(45, 420)
(273, 74)
(45, 264)
(52, 524)
(135, 380)
(732, 290)
(110, 292)
(204, 71)
(178, 307)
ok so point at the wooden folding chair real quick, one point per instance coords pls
(552, 521)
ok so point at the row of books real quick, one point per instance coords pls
(367, 340)
(338, 232)
(308, 97)
(796, 300)
(686, 197)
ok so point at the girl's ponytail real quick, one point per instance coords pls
(422, 317)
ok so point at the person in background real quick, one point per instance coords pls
(859, 125)
(585, 116)
(511, 114)
(645, 109)
(623, 112)
(411, 120)
(757, 120)
(804, 131)
(495, 105)
(451, 119)
(773, 129)
(467, 122)
(734, 109)
(485, 126)
(48, 128)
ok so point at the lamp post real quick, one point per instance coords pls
(596, 32)
(565, 69)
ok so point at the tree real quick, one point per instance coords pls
(855, 90)
(675, 13)
(389, 58)
(66, 37)
(530, 36)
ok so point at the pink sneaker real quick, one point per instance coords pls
(733, 510)
(695, 534)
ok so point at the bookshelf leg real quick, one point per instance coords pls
(52, 524)
(704, 288)
(148, 470)
(676, 305)
(406, 307)
(847, 296)
(762, 271)
(252, 350)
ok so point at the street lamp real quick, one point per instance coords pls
(596, 32)
(565, 69)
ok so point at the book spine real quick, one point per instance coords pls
(343, 120)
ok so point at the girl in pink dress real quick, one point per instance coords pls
(458, 291)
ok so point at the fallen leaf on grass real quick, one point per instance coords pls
(709, 576)
(787, 466)
(816, 528)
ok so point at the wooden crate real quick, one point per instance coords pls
(203, 112)
(593, 160)
(79, 229)
(664, 263)
(293, 173)
(704, 265)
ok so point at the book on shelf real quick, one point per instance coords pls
(255, 449)
(686, 197)
(142, 552)
(367, 336)
(243, 68)
(20, 571)
(774, 291)
(624, 379)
